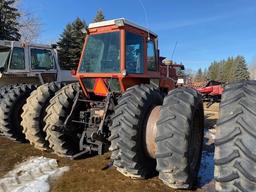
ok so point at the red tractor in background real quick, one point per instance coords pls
(211, 92)
(127, 102)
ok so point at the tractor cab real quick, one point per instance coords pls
(118, 54)
(23, 63)
(29, 63)
(18, 57)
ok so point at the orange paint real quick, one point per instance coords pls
(127, 80)
(100, 88)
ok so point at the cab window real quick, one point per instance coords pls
(151, 56)
(42, 59)
(134, 53)
(18, 59)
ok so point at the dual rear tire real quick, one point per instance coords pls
(38, 114)
(34, 113)
(11, 109)
(179, 128)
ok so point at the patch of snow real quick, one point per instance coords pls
(33, 175)
(206, 172)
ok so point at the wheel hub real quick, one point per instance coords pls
(150, 132)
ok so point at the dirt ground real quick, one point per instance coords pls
(88, 174)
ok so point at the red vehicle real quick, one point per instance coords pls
(211, 92)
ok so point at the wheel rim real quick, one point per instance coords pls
(150, 132)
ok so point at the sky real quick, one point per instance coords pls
(205, 30)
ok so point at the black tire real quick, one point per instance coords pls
(127, 131)
(64, 142)
(34, 113)
(179, 138)
(5, 89)
(11, 109)
(235, 152)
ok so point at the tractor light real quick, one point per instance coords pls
(119, 22)
(124, 73)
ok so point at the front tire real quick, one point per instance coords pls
(179, 138)
(235, 152)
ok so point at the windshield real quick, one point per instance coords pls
(102, 54)
(4, 53)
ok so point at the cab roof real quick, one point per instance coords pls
(120, 22)
(6, 43)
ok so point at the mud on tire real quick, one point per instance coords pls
(179, 138)
(11, 109)
(34, 113)
(129, 121)
(235, 152)
(64, 142)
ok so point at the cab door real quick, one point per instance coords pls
(43, 63)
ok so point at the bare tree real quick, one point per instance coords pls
(29, 27)
(29, 24)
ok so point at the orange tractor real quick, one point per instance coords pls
(126, 101)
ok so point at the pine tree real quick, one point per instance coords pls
(240, 70)
(199, 75)
(8, 21)
(213, 71)
(228, 70)
(99, 16)
(71, 43)
(205, 74)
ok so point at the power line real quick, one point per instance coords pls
(174, 50)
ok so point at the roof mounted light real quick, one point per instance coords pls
(167, 62)
(119, 22)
